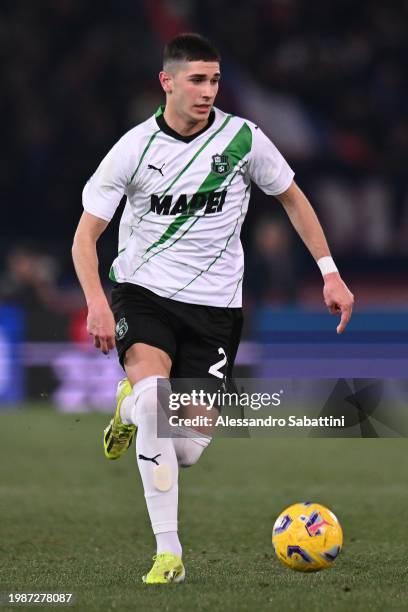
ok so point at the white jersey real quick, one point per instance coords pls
(187, 198)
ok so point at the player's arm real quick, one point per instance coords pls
(337, 296)
(100, 323)
(101, 197)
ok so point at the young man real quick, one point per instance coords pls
(186, 172)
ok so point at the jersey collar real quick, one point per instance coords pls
(161, 122)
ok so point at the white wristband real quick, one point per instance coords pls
(326, 265)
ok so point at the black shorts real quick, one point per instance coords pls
(202, 341)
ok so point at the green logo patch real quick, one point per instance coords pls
(121, 328)
(221, 164)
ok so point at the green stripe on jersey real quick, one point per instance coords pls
(189, 163)
(152, 137)
(186, 167)
(239, 146)
(224, 248)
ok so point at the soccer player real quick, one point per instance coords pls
(176, 301)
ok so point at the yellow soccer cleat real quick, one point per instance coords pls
(117, 436)
(167, 568)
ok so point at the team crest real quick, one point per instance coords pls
(220, 164)
(121, 328)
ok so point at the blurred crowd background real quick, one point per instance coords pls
(325, 80)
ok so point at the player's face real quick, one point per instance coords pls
(194, 88)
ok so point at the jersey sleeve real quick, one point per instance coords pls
(267, 167)
(104, 190)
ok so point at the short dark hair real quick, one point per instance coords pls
(190, 47)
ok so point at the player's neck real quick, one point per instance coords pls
(181, 125)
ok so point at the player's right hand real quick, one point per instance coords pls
(101, 325)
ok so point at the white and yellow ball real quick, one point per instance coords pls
(307, 537)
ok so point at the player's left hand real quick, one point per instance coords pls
(338, 298)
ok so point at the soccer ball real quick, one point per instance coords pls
(307, 537)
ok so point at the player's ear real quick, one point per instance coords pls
(166, 81)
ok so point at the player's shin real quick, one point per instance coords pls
(157, 461)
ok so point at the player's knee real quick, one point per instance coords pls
(192, 450)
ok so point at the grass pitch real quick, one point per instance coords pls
(73, 522)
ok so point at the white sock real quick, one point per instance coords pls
(168, 542)
(189, 445)
(156, 459)
(128, 409)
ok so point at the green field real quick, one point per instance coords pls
(72, 521)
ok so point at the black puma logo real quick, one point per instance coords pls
(151, 167)
(150, 458)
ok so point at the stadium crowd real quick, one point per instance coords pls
(75, 79)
